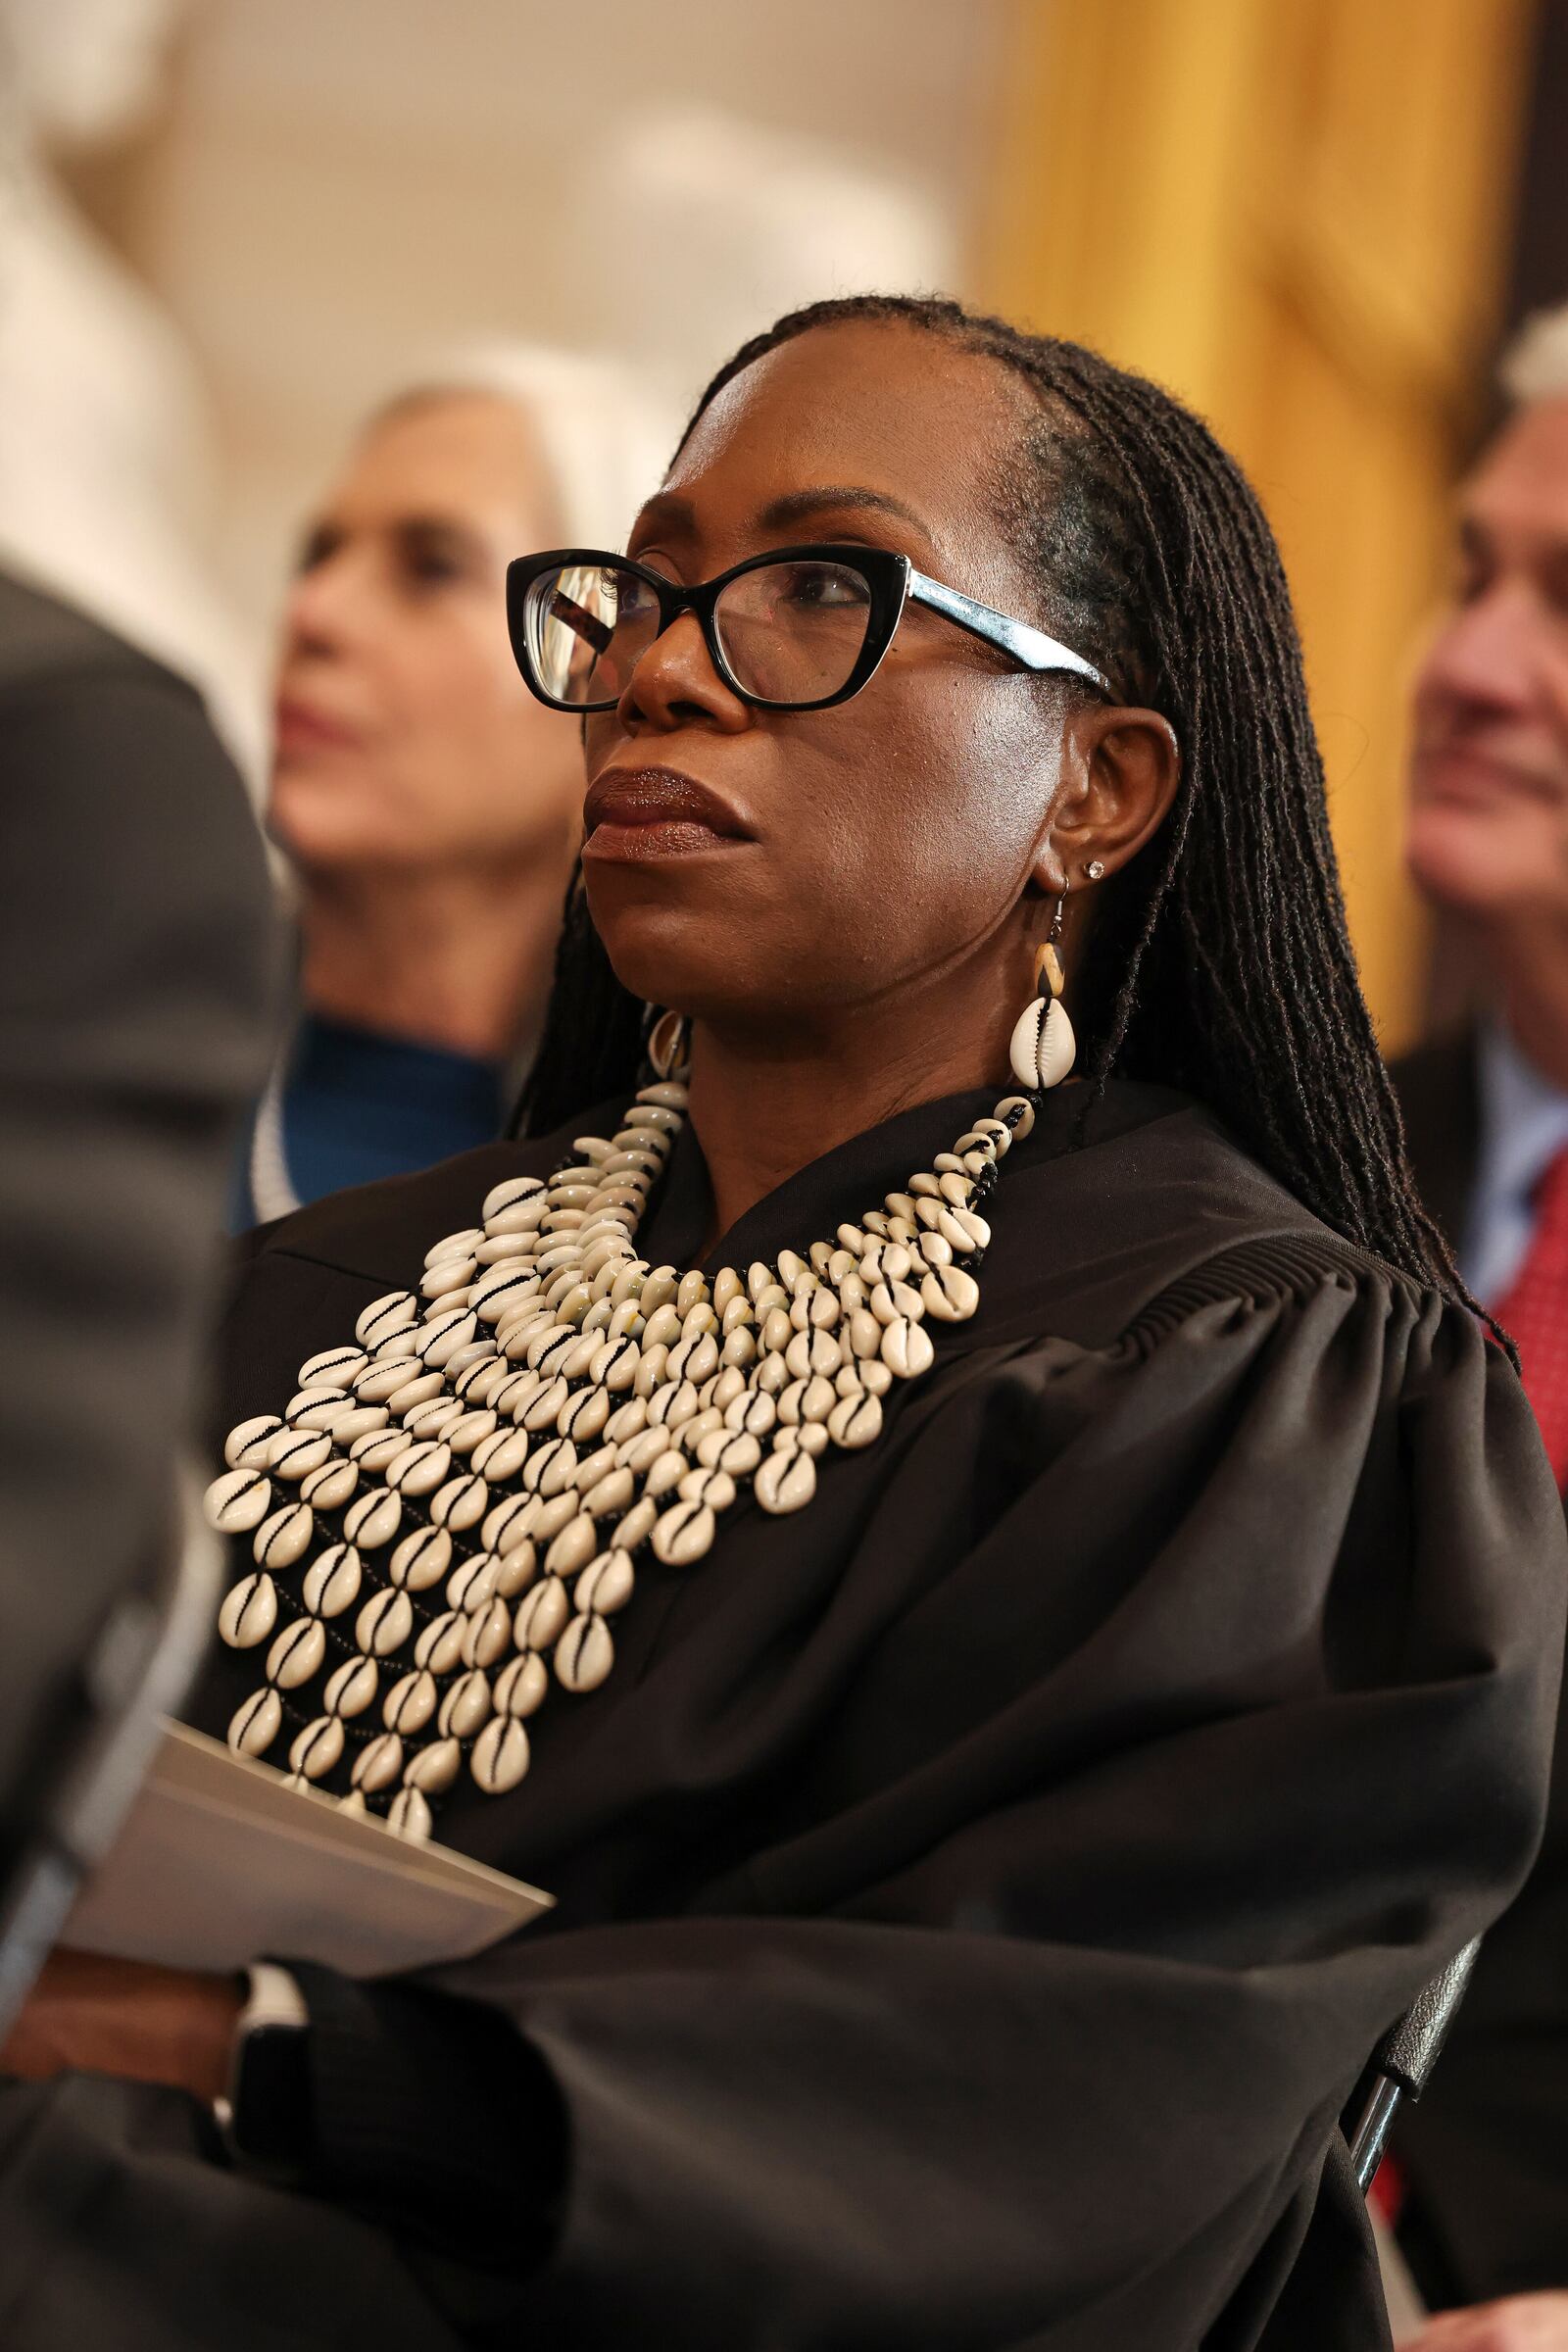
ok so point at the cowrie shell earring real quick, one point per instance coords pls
(1043, 1048)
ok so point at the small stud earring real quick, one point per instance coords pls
(1095, 868)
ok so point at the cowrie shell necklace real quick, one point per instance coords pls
(456, 1504)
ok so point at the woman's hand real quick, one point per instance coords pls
(1520, 2324)
(88, 2014)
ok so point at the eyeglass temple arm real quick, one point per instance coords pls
(1030, 647)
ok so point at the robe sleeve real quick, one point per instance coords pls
(1273, 1636)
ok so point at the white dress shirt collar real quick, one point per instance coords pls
(1524, 1125)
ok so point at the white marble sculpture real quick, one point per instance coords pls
(104, 449)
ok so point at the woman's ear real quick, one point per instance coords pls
(1122, 770)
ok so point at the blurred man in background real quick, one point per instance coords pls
(1484, 2156)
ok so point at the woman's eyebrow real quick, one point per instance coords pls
(444, 533)
(322, 538)
(796, 505)
(669, 511)
(666, 511)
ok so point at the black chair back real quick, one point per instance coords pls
(1405, 2057)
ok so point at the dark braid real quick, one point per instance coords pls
(1222, 965)
(592, 1041)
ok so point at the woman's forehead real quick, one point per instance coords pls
(468, 451)
(881, 407)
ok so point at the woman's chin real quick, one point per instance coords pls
(323, 831)
(316, 823)
(691, 966)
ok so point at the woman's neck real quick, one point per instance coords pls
(765, 1107)
(459, 957)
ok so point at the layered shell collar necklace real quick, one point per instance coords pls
(451, 1510)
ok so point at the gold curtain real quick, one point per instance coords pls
(1293, 212)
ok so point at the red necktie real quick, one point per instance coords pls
(1534, 1309)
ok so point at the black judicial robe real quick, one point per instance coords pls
(978, 1893)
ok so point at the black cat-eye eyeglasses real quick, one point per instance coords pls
(798, 628)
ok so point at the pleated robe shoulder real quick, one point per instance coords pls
(979, 1894)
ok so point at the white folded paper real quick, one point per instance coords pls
(220, 1863)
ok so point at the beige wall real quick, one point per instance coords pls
(337, 185)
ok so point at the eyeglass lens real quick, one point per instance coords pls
(790, 632)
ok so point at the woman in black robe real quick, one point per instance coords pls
(980, 1889)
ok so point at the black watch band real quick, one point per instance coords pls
(268, 2125)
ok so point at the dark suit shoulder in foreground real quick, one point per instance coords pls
(134, 988)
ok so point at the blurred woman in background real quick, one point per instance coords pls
(428, 806)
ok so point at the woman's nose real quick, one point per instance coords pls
(323, 613)
(674, 684)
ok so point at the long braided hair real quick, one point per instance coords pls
(1222, 965)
